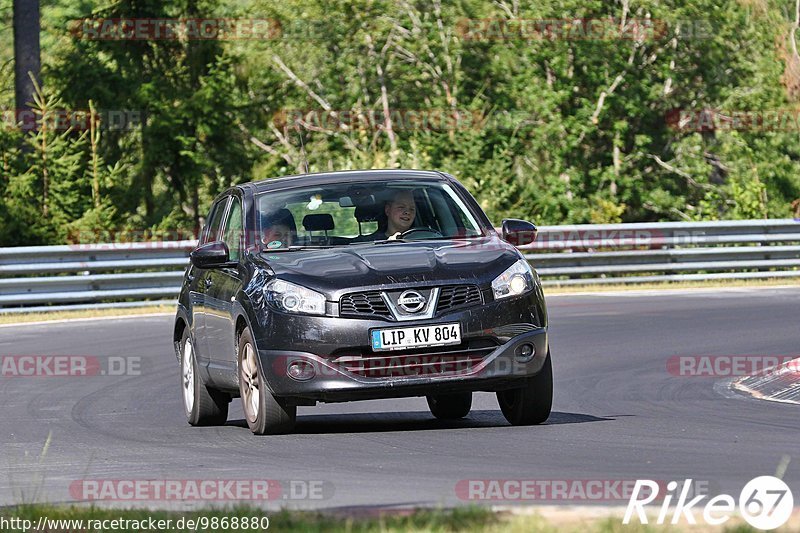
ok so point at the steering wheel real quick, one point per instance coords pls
(424, 229)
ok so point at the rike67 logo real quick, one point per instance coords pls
(765, 502)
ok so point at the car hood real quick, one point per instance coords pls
(335, 271)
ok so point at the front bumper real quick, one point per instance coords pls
(314, 341)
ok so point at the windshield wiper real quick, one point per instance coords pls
(380, 241)
(294, 249)
(465, 237)
(388, 241)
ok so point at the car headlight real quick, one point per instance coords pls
(292, 298)
(516, 280)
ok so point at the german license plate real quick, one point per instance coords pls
(415, 337)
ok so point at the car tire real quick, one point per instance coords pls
(202, 406)
(265, 414)
(450, 406)
(530, 404)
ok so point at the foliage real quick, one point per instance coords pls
(558, 128)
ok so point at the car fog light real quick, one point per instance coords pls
(525, 352)
(300, 370)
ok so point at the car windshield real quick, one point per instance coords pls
(363, 212)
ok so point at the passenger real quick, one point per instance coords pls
(279, 229)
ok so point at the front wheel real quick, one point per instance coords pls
(202, 406)
(265, 414)
(450, 406)
(530, 404)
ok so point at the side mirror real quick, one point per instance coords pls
(211, 255)
(518, 232)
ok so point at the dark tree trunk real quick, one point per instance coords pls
(27, 60)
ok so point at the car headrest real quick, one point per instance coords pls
(318, 222)
(279, 216)
(368, 213)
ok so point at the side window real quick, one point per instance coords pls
(213, 230)
(233, 230)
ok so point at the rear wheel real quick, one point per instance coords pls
(450, 406)
(202, 406)
(265, 414)
(530, 404)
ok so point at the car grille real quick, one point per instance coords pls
(371, 305)
(446, 361)
(458, 296)
(364, 304)
(512, 330)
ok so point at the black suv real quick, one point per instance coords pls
(359, 285)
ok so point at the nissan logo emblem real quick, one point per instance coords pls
(411, 301)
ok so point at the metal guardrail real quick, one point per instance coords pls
(86, 276)
(592, 254)
(129, 274)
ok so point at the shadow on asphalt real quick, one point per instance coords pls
(413, 421)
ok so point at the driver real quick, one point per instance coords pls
(400, 213)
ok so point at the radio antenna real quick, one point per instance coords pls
(302, 148)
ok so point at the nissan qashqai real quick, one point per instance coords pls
(359, 285)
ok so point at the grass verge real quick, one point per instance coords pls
(21, 318)
(675, 285)
(353, 521)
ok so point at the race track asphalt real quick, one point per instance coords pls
(618, 413)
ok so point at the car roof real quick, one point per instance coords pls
(343, 176)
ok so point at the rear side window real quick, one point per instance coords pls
(213, 231)
(233, 230)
